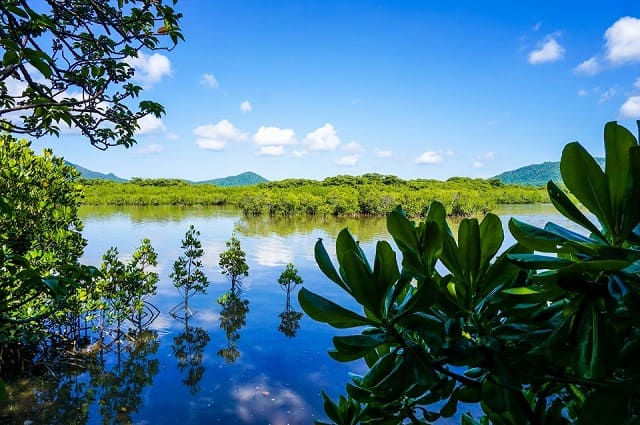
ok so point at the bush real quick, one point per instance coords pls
(544, 338)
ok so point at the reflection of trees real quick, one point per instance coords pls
(289, 322)
(367, 228)
(61, 396)
(188, 348)
(119, 389)
(232, 318)
(289, 318)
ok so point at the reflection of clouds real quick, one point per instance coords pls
(211, 257)
(207, 317)
(273, 252)
(259, 402)
(163, 323)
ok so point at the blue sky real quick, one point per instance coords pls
(311, 89)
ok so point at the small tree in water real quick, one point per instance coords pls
(187, 274)
(289, 318)
(233, 262)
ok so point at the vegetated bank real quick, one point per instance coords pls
(343, 195)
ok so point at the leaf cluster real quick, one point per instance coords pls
(545, 332)
(70, 64)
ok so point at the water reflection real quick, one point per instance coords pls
(232, 318)
(118, 387)
(112, 375)
(188, 349)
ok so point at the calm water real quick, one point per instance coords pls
(250, 361)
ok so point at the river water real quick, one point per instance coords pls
(253, 360)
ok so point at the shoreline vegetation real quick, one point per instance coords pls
(343, 195)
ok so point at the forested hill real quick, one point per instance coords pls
(535, 174)
(88, 174)
(245, 179)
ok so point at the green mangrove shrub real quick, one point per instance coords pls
(233, 262)
(187, 274)
(546, 332)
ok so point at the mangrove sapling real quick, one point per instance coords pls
(233, 262)
(289, 318)
(187, 274)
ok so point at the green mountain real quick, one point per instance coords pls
(535, 174)
(245, 179)
(88, 174)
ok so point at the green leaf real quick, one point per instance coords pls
(353, 347)
(585, 179)
(617, 143)
(491, 238)
(533, 237)
(359, 278)
(632, 201)
(323, 310)
(469, 248)
(564, 205)
(536, 262)
(324, 262)
(385, 269)
(402, 230)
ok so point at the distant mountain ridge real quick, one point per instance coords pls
(244, 179)
(89, 174)
(247, 178)
(536, 174)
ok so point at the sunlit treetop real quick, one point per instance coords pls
(68, 64)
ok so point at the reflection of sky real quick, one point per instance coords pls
(276, 379)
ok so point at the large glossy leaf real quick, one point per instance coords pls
(359, 277)
(385, 269)
(632, 202)
(536, 262)
(323, 310)
(402, 230)
(469, 249)
(353, 347)
(585, 179)
(617, 143)
(324, 262)
(567, 208)
(533, 237)
(491, 238)
(345, 243)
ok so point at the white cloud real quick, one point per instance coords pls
(215, 136)
(384, 153)
(274, 136)
(322, 139)
(608, 94)
(582, 92)
(209, 80)
(623, 40)
(549, 51)
(150, 124)
(272, 150)
(589, 67)
(485, 156)
(429, 157)
(477, 164)
(354, 147)
(636, 84)
(348, 160)
(631, 108)
(450, 152)
(537, 26)
(150, 69)
(150, 149)
(172, 136)
(300, 153)
(246, 106)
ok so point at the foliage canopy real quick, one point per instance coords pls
(70, 63)
(547, 332)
